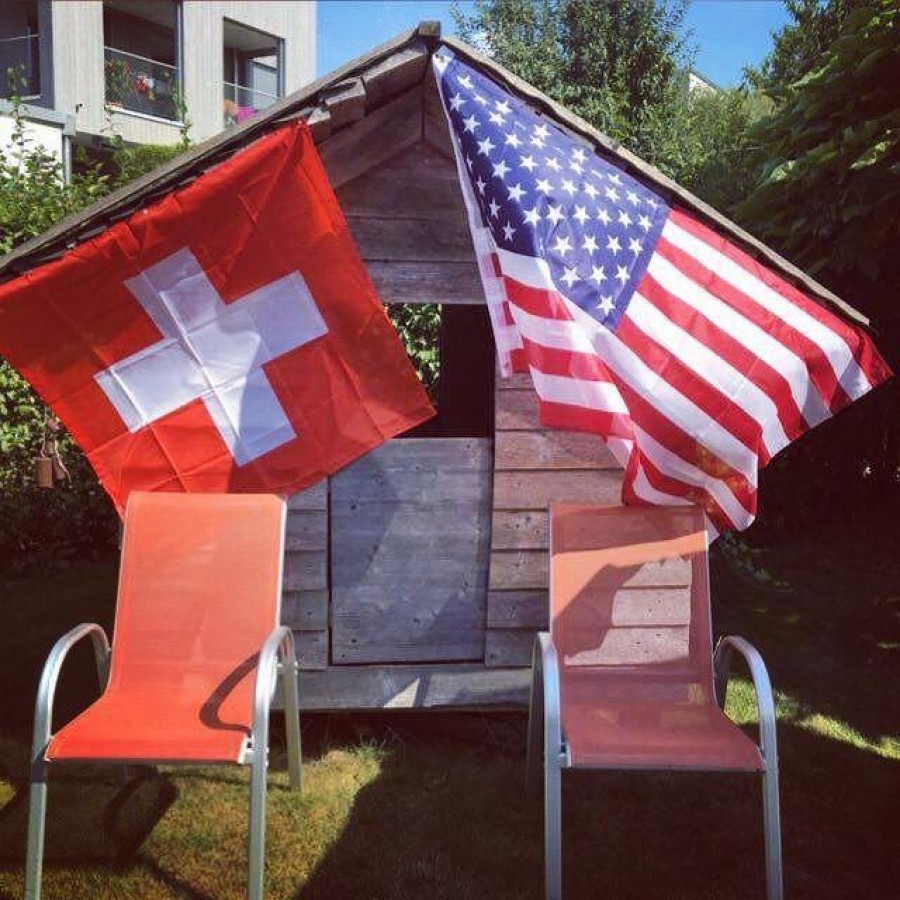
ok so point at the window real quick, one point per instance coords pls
(253, 71)
(454, 355)
(141, 56)
(20, 69)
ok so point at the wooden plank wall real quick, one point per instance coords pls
(532, 467)
(304, 605)
(410, 528)
(403, 205)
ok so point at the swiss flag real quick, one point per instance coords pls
(226, 338)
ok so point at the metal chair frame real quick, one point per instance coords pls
(545, 710)
(279, 645)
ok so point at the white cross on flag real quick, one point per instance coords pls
(213, 351)
(225, 338)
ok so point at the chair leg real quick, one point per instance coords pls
(292, 724)
(257, 842)
(37, 817)
(772, 827)
(552, 825)
(535, 734)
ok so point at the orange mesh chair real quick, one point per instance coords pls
(626, 678)
(195, 655)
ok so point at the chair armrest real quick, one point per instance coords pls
(544, 708)
(43, 707)
(546, 663)
(279, 643)
(765, 698)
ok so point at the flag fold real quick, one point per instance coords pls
(637, 321)
(225, 338)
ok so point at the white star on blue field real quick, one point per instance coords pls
(544, 194)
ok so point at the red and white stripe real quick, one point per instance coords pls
(717, 364)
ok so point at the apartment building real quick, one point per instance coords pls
(143, 68)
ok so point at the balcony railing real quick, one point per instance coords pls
(242, 102)
(20, 72)
(141, 85)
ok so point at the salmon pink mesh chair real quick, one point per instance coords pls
(194, 660)
(626, 677)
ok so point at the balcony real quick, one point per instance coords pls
(241, 102)
(141, 85)
(20, 71)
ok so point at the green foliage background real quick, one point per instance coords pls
(419, 325)
(829, 190)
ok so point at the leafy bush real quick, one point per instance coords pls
(713, 144)
(830, 157)
(419, 325)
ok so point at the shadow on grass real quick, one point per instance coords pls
(448, 820)
(446, 815)
(94, 816)
(180, 887)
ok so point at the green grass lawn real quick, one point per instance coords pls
(431, 805)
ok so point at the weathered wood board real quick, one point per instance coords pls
(372, 141)
(404, 207)
(418, 281)
(395, 74)
(410, 532)
(531, 489)
(548, 451)
(447, 685)
(533, 467)
(305, 610)
(437, 132)
(508, 648)
(346, 101)
(518, 609)
(304, 603)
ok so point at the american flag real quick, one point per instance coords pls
(636, 321)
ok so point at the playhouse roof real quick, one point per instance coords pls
(350, 93)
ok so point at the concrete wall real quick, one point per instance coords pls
(41, 135)
(77, 62)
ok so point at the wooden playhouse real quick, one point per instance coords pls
(417, 576)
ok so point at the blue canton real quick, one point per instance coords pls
(544, 194)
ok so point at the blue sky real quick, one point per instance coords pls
(729, 34)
